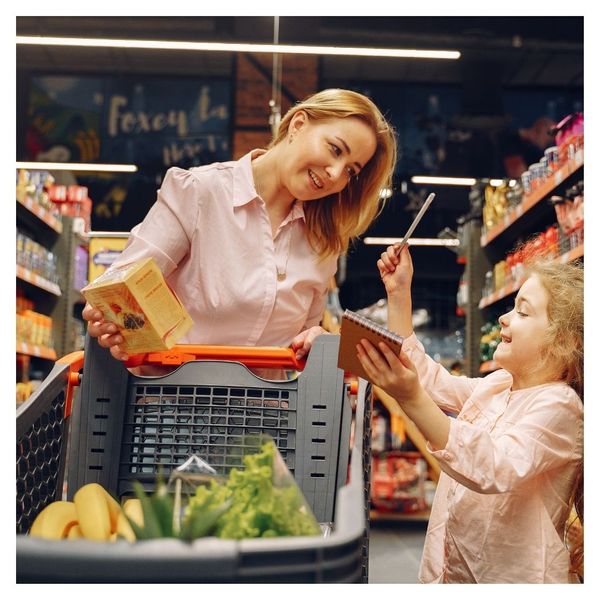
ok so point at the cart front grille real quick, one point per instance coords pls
(164, 425)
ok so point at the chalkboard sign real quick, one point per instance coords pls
(152, 122)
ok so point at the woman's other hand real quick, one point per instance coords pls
(107, 333)
(303, 341)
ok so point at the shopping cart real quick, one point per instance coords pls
(112, 427)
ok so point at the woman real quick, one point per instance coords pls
(249, 246)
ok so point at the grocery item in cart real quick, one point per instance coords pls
(137, 299)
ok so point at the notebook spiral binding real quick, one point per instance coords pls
(372, 326)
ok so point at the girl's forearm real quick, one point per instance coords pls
(429, 418)
(400, 313)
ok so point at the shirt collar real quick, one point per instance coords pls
(243, 183)
(245, 191)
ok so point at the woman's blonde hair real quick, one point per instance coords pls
(564, 346)
(335, 220)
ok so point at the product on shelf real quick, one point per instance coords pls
(489, 340)
(36, 258)
(569, 136)
(72, 201)
(398, 482)
(34, 186)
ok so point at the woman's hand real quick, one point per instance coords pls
(303, 341)
(396, 271)
(395, 374)
(107, 333)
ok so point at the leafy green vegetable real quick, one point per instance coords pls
(257, 508)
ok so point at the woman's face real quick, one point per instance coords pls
(323, 156)
(523, 332)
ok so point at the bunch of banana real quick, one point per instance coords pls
(94, 515)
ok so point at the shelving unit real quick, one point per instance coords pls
(60, 301)
(533, 214)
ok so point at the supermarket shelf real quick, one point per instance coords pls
(488, 366)
(421, 516)
(507, 290)
(41, 213)
(35, 350)
(40, 282)
(534, 198)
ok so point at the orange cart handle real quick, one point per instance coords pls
(74, 362)
(251, 356)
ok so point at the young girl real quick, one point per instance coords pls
(250, 246)
(512, 459)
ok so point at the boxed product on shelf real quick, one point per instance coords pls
(398, 482)
(138, 300)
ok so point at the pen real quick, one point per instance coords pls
(414, 224)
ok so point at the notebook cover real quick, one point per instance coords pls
(353, 329)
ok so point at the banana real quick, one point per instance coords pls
(133, 509)
(75, 532)
(114, 510)
(55, 521)
(93, 512)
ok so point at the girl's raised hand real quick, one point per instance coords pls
(394, 374)
(396, 271)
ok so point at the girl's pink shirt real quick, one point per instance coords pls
(508, 471)
(210, 233)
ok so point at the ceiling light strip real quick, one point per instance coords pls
(235, 47)
(49, 166)
(443, 180)
(388, 241)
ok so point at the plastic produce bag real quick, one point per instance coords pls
(258, 497)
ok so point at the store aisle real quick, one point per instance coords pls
(395, 551)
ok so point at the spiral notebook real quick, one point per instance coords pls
(356, 327)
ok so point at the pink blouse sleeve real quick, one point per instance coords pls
(448, 391)
(547, 435)
(166, 232)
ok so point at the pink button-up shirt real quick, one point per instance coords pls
(508, 471)
(211, 236)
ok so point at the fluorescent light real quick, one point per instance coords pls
(385, 193)
(496, 182)
(49, 166)
(443, 180)
(384, 241)
(234, 47)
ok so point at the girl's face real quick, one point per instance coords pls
(325, 155)
(523, 334)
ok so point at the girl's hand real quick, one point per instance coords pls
(107, 333)
(395, 374)
(303, 341)
(396, 271)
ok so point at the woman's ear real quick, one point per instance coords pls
(297, 122)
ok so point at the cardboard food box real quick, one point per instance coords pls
(138, 300)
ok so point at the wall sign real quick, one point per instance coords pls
(152, 122)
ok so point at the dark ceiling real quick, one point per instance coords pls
(526, 51)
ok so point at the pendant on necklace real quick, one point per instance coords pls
(280, 276)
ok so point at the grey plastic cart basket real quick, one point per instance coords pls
(125, 427)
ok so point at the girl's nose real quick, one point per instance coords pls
(503, 320)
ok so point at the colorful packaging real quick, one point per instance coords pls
(137, 299)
